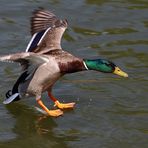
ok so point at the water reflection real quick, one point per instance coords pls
(33, 129)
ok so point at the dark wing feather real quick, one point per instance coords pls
(41, 20)
(46, 20)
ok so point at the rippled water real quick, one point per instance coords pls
(111, 112)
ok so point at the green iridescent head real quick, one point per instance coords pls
(105, 66)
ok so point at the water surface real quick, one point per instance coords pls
(111, 112)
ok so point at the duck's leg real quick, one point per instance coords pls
(61, 105)
(54, 113)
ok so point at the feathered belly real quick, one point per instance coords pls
(42, 82)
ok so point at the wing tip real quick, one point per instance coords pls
(41, 19)
(38, 9)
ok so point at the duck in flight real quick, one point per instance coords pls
(44, 62)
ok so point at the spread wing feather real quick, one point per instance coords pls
(27, 60)
(47, 31)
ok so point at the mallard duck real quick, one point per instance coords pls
(44, 62)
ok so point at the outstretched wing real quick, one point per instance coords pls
(28, 60)
(47, 31)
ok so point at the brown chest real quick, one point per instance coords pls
(71, 66)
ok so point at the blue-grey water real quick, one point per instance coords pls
(111, 112)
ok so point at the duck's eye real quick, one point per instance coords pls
(107, 64)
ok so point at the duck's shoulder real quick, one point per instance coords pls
(61, 55)
(67, 62)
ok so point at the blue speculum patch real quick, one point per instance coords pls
(36, 39)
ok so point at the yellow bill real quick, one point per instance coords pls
(119, 72)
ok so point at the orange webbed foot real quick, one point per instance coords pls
(55, 113)
(64, 105)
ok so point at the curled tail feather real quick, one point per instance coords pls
(13, 95)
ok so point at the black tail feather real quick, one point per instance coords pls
(14, 90)
(8, 94)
